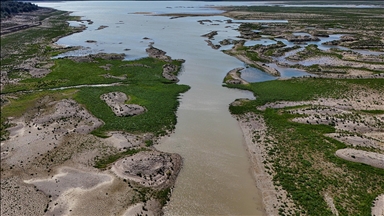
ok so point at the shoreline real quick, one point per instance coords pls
(256, 150)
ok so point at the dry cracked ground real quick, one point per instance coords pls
(48, 165)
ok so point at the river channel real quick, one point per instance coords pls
(215, 178)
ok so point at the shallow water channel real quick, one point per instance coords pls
(215, 178)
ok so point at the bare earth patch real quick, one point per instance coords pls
(233, 77)
(378, 206)
(149, 168)
(360, 156)
(116, 101)
(48, 165)
(329, 200)
(64, 182)
(274, 197)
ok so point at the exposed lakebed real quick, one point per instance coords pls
(215, 178)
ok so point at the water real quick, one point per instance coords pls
(215, 178)
(255, 75)
(261, 41)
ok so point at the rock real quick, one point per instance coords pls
(233, 81)
(360, 156)
(92, 57)
(301, 38)
(108, 56)
(248, 34)
(149, 168)
(233, 77)
(209, 42)
(116, 101)
(333, 43)
(168, 70)
(345, 38)
(101, 27)
(320, 34)
(157, 53)
(203, 21)
(210, 35)
(106, 67)
(225, 42)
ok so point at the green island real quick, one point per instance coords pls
(53, 105)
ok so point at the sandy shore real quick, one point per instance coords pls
(378, 206)
(233, 77)
(274, 197)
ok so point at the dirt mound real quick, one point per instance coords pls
(360, 156)
(149, 168)
(116, 101)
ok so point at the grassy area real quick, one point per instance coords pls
(104, 162)
(292, 90)
(307, 167)
(160, 100)
(302, 89)
(365, 24)
(20, 105)
(143, 194)
(254, 56)
(331, 17)
(313, 51)
(303, 158)
(374, 111)
(69, 73)
(26, 44)
(145, 86)
(141, 80)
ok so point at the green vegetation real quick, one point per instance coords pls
(69, 73)
(254, 56)
(325, 17)
(3, 132)
(379, 112)
(33, 42)
(303, 158)
(313, 51)
(301, 89)
(141, 80)
(160, 100)
(104, 162)
(145, 86)
(251, 26)
(293, 90)
(364, 24)
(163, 196)
(300, 157)
(144, 194)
